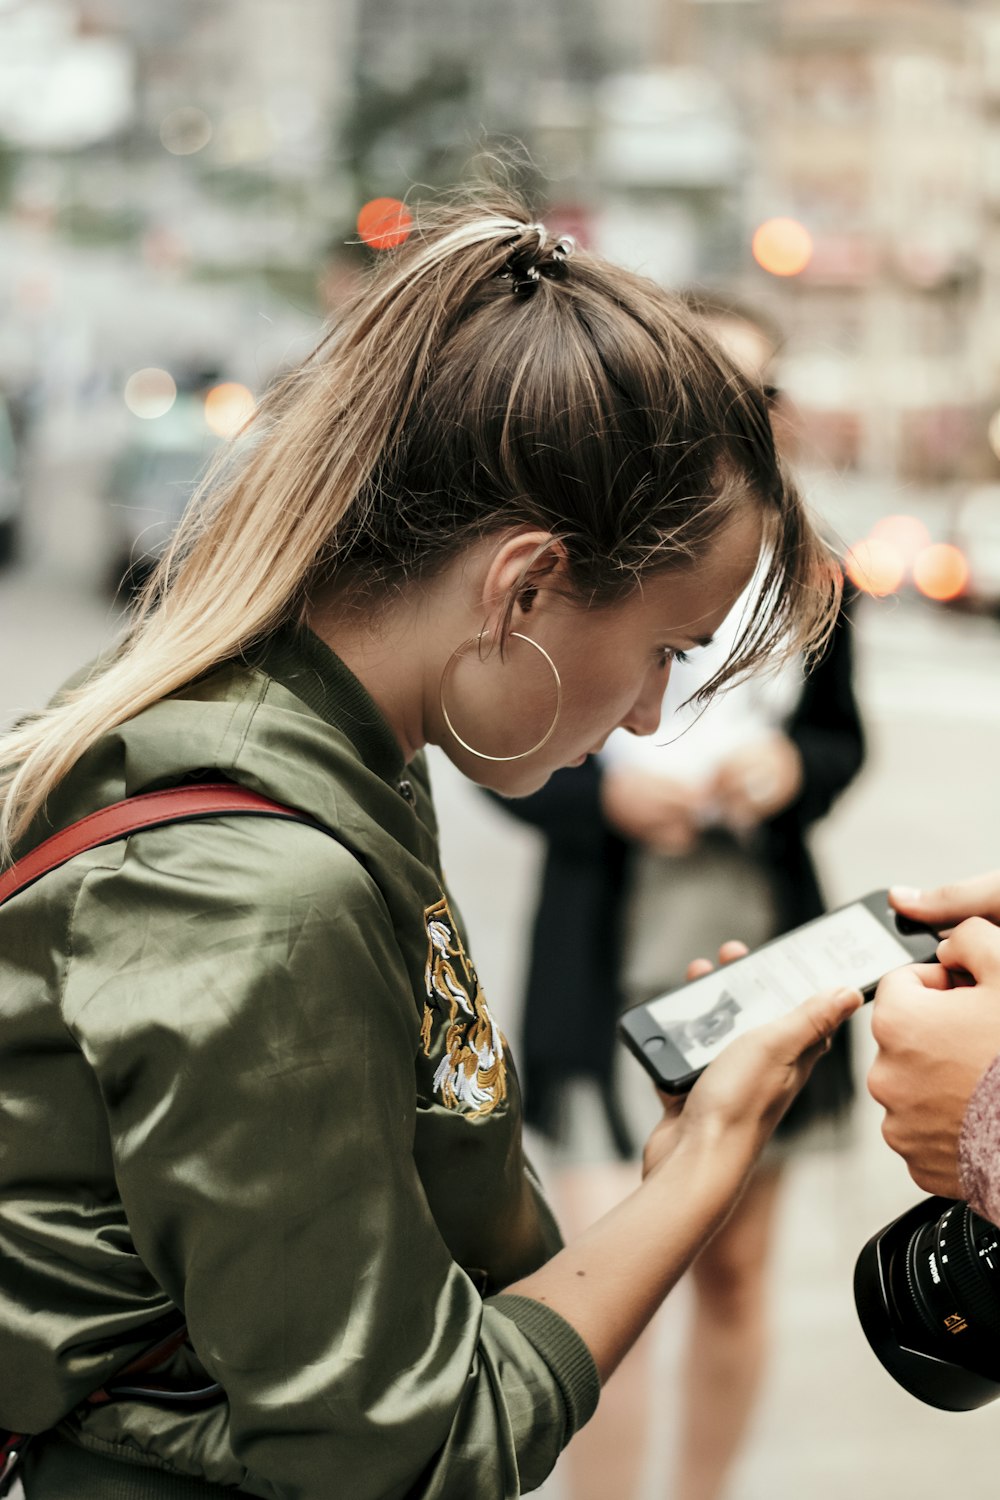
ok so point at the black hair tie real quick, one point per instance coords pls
(526, 268)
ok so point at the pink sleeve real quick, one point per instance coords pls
(979, 1146)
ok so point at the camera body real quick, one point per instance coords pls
(927, 1291)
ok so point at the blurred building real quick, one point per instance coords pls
(875, 124)
(173, 176)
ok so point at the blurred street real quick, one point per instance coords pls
(925, 809)
(191, 193)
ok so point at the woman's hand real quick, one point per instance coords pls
(950, 904)
(610, 1281)
(666, 1134)
(757, 782)
(653, 810)
(741, 1096)
(937, 1034)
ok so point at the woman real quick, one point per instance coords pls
(640, 871)
(248, 1069)
(669, 843)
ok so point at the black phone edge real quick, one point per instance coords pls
(877, 904)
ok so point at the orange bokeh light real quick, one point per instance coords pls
(907, 534)
(384, 223)
(782, 246)
(941, 571)
(227, 407)
(874, 567)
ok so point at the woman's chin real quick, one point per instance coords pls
(521, 781)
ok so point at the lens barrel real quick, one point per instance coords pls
(927, 1290)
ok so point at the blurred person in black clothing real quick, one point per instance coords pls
(655, 851)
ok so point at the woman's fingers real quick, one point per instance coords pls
(672, 1103)
(698, 968)
(931, 976)
(975, 947)
(948, 904)
(812, 1024)
(728, 953)
(748, 1087)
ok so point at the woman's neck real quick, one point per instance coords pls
(397, 652)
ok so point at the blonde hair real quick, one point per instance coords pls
(482, 380)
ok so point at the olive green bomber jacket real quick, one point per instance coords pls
(247, 1071)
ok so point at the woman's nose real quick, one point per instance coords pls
(644, 715)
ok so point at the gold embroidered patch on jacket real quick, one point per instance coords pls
(472, 1073)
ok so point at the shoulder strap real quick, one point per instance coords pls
(150, 810)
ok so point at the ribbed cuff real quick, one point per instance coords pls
(562, 1349)
(979, 1146)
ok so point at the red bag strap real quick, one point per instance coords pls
(177, 804)
(150, 810)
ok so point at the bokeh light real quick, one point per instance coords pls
(782, 246)
(186, 130)
(875, 567)
(227, 407)
(150, 393)
(384, 223)
(907, 534)
(941, 571)
(245, 135)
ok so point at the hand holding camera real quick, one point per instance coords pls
(927, 1286)
(930, 1022)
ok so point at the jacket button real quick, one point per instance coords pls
(406, 792)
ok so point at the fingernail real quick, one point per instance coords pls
(848, 994)
(904, 895)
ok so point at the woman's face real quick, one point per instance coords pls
(613, 664)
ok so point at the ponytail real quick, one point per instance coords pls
(478, 382)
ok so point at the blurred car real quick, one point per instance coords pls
(11, 488)
(150, 482)
(975, 530)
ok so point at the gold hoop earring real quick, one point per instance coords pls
(475, 640)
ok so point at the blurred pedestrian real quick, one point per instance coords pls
(658, 848)
(254, 1099)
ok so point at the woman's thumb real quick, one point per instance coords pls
(948, 905)
(815, 1020)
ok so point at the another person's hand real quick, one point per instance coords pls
(937, 1034)
(757, 782)
(742, 1095)
(948, 905)
(653, 810)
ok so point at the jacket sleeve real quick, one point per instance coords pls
(253, 1032)
(979, 1146)
(826, 726)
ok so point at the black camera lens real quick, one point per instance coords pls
(927, 1289)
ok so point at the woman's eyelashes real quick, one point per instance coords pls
(667, 655)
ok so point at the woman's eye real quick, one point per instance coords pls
(669, 654)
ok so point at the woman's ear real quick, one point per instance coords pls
(523, 565)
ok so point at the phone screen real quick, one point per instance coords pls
(850, 947)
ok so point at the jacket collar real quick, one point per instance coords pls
(295, 657)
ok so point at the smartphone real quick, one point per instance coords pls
(677, 1035)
